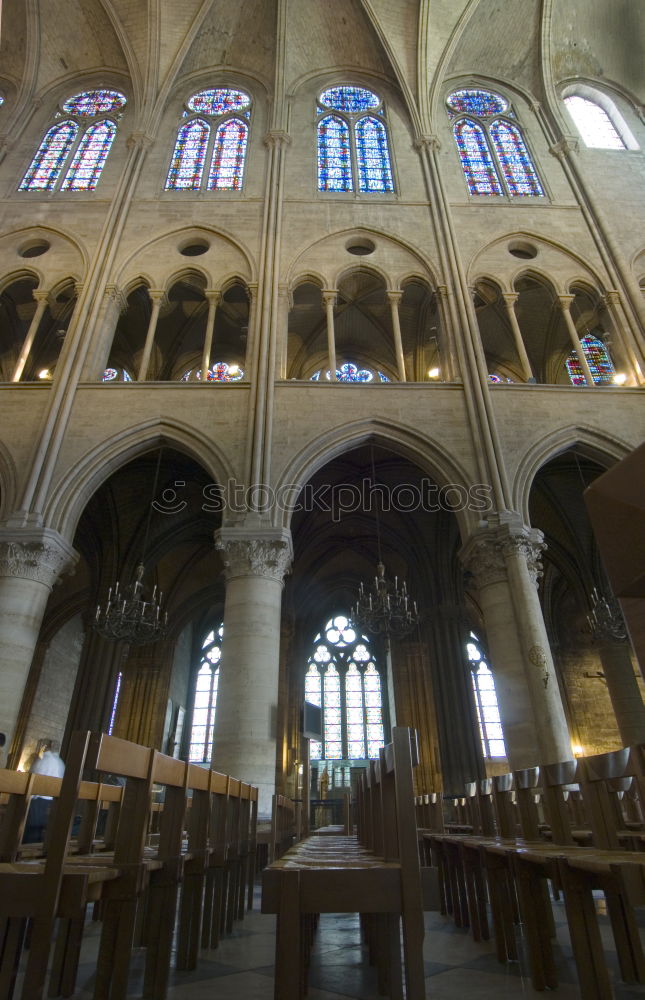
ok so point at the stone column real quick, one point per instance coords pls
(30, 564)
(510, 298)
(623, 340)
(157, 296)
(504, 560)
(565, 305)
(285, 305)
(329, 299)
(213, 298)
(114, 304)
(610, 635)
(41, 297)
(255, 563)
(450, 371)
(394, 299)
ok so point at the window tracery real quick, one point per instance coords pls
(349, 372)
(89, 146)
(594, 124)
(490, 728)
(343, 679)
(494, 156)
(217, 133)
(203, 724)
(353, 149)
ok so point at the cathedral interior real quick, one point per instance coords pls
(289, 290)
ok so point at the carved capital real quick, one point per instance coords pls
(213, 295)
(286, 294)
(40, 295)
(277, 138)
(394, 297)
(565, 301)
(486, 554)
(530, 547)
(266, 553)
(329, 296)
(564, 148)
(442, 291)
(510, 298)
(115, 295)
(429, 142)
(42, 556)
(612, 297)
(139, 140)
(484, 559)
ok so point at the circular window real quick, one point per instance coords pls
(360, 247)
(218, 101)
(194, 248)
(522, 249)
(94, 102)
(349, 99)
(35, 248)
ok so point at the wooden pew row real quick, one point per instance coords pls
(595, 801)
(131, 880)
(375, 873)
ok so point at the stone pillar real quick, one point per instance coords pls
(624, 691)
(565, 305)
(114, 304)
(504, 560)
(622, 340)
(41, 297)
(213, 298)
(449, 364)
(394, 299)
(30, 564)
(255, 563)
(329, 299)
(157, 296)
(285, 305)
(510, 298)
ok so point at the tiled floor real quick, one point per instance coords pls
(456, 968)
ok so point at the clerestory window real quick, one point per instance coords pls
(593, 123)
(492, 149)
(598, 359)
(210, 149)
(353, 148)
(73, 152)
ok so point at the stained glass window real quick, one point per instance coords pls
(481, 103)
(94, 102)
(517, 168)
(343, 679)
(187, 164)
(476, 160)
(49, 160)
(349, 99)
(227, 165)
(220, 372)
(222, 142)
(490, 728)
(201, 735)
(90, 157)
(218, 101)
(593, 123)
(598, 359)
(372, 155)
(115, 702)
(115, 375)
(349, 372)
(492, 150)
(334, 157)
(353, 152)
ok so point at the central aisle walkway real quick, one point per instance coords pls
(456, 967)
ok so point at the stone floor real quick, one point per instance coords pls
(456, 967)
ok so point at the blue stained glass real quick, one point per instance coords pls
(187, 164)
(227, 165)
(218, 101)
(476, 159)
(482, 103)
(373, 157)
(50, 158)
(349, 99)
(383, 377)
(115, 375)
(334, 159)
(89, 159)
(519, 172)
(94, 102)
(598, 359)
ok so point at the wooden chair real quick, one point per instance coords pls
(344, 875)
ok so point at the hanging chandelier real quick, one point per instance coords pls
(129, 615)
(605, 619)
(385, 609)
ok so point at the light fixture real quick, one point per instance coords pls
(619, 378)
(385, 609)
(434, 373)
(129, 615)
(44, 373)
(577, 750)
